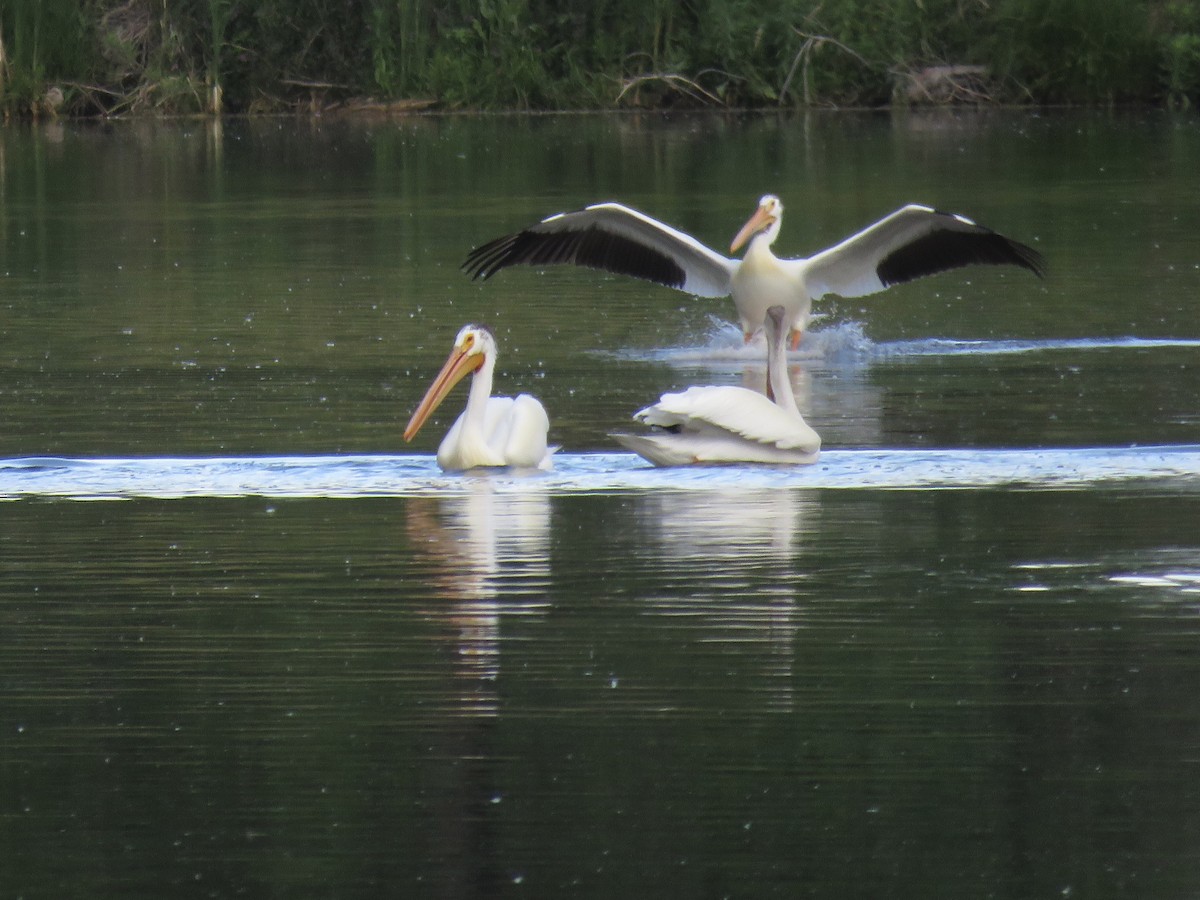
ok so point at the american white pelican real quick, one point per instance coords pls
(912, 242)
(492, 431)
(728, 424)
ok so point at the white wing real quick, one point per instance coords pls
(521, 434)
(912, 242)
(613, 238)
(735, 410)
(514, 431)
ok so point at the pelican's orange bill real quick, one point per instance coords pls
(458, 365)
(757, 222)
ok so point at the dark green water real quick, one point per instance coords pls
(723, 692)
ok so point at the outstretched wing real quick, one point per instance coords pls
(911, 243)
(612, 238)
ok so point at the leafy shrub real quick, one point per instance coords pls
(1181, 52)
(179, 55)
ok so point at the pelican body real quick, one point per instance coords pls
(912, 242)
(491, 431)
(727, 424)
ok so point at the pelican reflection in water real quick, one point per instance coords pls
(490, 554)
(748, 606)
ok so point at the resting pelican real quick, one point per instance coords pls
(729, 424)
(492, 431)
(912, 242)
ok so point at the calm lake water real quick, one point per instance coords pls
(255, 645)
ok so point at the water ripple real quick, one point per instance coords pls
(580, 473)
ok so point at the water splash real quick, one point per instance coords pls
(722, 343)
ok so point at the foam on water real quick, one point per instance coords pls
(1177, 467)
(722, 343)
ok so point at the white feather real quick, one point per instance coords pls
(734, 410)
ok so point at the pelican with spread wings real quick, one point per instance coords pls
(912, 242)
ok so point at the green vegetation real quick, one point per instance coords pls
(209, 56)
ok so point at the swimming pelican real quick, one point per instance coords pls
(728, 424)
(492, 431)
(912, 242)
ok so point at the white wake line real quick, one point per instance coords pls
(1174, 467)
(951, 347)
(847, 343)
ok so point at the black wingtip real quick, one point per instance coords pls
(1030, 259)
(590, 246)
(487, 259)
(942, 250)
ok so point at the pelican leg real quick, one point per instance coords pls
(797, 334)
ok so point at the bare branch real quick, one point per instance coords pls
(678, 83)
(812, 43)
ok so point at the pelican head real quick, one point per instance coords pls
(473, 347)
(766, 218)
